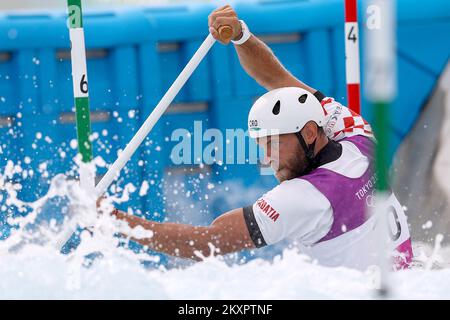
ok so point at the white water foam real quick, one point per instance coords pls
(31, 266)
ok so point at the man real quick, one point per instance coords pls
(325, 185)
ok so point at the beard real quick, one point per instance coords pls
(291, 168)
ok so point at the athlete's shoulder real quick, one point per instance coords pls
(293, 208)
(295, 192)
(294, 186)
(351, 164)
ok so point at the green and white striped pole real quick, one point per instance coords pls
(81, 91)
(82, 116)
(381, 89)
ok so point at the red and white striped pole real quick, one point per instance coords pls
(352, 56)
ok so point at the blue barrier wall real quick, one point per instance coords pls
(133, 57)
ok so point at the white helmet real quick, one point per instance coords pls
(284, 110)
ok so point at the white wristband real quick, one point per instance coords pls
(246, 34)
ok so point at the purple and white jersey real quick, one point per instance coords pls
(324, 212)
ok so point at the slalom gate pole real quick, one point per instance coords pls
(80, 90)
(381, 90)
(225, 33)
(82, 111)
(352, 66)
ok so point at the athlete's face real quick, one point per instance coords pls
(284, 155)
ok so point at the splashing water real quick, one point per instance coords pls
(31, 265)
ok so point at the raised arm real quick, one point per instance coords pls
(228, 233)
(255, 56)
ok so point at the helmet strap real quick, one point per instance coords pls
(309, 150)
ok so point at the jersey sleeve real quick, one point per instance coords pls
(343, 122)
(294, 208)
